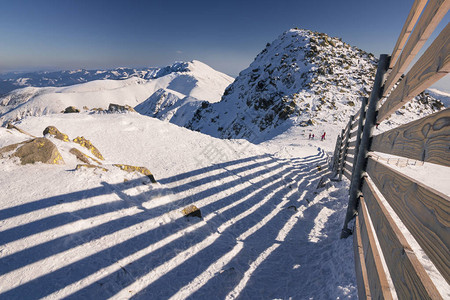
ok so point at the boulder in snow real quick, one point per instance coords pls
(142, 170)
(71, 109)
(120, 108)
(54, 132)
(38, 150)
(192, 211)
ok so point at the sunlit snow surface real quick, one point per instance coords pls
(266, 232)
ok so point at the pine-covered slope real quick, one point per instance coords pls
(302, 78)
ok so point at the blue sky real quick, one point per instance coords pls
(227, 35)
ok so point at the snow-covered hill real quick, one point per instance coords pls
(303, 78)
(191, 82)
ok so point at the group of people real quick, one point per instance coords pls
(311, 136)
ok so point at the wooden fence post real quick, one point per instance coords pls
(344, 154)
(361, 159)
(362, 116)
(339, 156)
(336, 153)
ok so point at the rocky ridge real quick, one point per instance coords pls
(302, 78)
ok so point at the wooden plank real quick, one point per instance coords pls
(424, 211)
(347, 174)
(431, 66)
(427, 139)
(379, 287)
(408, 275)
(432, 15)
(356, 116)
(411, 20)
(360, 265)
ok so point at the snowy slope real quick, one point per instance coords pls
(266, 231)
(191, 80)
(303, 78)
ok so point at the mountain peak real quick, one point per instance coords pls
(301, 78)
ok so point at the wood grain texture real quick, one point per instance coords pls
(431, 66)
(408, 275)
(353, 134)
(360, 265)
(427, 139)
(432, 15)
(411, 20)
(424, 211)
(379, 287)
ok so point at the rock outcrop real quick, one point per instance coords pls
(38, 150)
(120, 108)
(192, 211)
(142, 170)
(88, 145)
(54, 132)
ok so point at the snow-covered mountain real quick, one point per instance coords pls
(192, 82)
(302, 78)
(12, 81)
(440, 95)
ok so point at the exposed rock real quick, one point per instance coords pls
(9, 148)
(119, 108)
(142, 170)
(88, 145)
(71, 109)
(90, 166)
(53, 131)
(38, 150)
(80, 155)
(83, 157)
(191, 211)
(11, 126)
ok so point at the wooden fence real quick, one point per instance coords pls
(386, 265)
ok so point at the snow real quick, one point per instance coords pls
(266, 231)
(195, 81)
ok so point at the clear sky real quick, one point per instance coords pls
(227, 35)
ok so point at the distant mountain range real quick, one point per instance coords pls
(192, 82)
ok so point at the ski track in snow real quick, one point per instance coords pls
(266, 231)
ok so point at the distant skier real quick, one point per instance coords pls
(309, 136)
(323, 136)
(313, 136)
